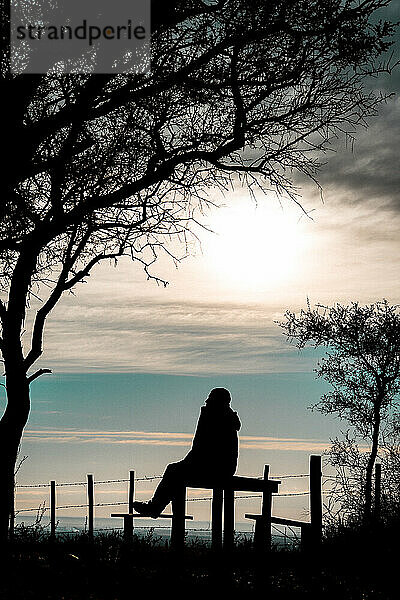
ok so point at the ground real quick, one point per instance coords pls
(109, 569)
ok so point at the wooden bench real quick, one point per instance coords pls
(263, 523)
(311, 532)
(223, 508)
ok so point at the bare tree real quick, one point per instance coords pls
(101, 166)
(362, 365)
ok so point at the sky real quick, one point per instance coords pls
(133, 361)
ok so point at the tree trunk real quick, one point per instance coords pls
(370, 466)
(11, 428)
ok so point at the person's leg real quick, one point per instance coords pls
(174, 475)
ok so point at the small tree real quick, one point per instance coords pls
(362, 364)
(346, 500)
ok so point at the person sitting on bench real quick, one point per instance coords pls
(212, 458)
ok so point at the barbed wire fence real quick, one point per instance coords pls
(139, 479)
(42, 508)
(292, 535)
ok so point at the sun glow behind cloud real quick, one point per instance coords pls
(257, 246)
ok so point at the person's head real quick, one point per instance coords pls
(218, 398)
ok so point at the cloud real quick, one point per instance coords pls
(367, 174)
(110, 434)
(75, 491)
(287, 445)
(169, 439)
(182, 337)
(108, 437)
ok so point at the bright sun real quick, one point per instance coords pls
(255, 246)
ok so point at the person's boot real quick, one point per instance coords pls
(147, 509)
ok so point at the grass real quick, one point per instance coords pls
(353, 564)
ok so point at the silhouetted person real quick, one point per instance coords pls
(212, 458)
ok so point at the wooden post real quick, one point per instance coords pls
(131, 494)
(316, 499)
(216, 519)
(52, 509)
(229, 518)
(128, 521)
(178, 519)
(262, 533)
(306, 541)
(378, 479)
(90, 505)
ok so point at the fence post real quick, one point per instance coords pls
(128, 521)
(316, 499)
(52, 509)
(90, 505)
(262, 533)
(378, 479)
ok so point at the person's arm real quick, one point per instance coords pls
(236, 421)
(200, 433)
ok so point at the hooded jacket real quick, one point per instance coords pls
(215, 443)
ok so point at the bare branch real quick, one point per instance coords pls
(85, 272)
(38, 374)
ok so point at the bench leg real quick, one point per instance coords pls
(178, 519)
(128, 528)
(306, 542)
(216, 519)
(262, 536)
(229, 518)
(262, 532)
